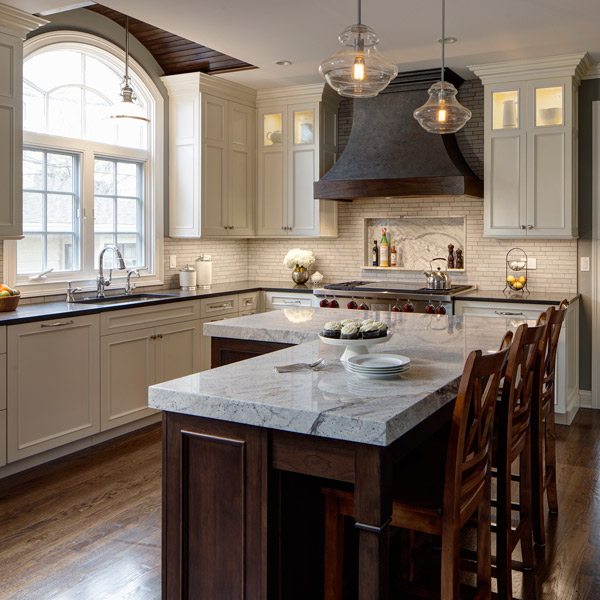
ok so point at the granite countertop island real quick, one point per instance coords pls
(331, 402)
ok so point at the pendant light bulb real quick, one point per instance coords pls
(358, 70)
(127, 108)
(442, 113)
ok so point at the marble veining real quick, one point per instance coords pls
(331, 402)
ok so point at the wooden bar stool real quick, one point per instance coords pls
(438, 492)
(512, 443)
(543, 434)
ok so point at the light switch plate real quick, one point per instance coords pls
(172, 261)
(585, 263)
(532, 263)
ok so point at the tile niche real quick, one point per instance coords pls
(417, 239)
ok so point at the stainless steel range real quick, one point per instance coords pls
(388, 295)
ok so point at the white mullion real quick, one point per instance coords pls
(87, 222)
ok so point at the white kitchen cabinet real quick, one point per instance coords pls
(53, 384)
(133, 359)
(212, 157)
(249, 303)
(279, 300)
(14, 26)
(530, 147)
(297, 143)
(567, 361)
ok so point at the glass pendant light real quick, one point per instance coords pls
(358, 70)
(127, 107)
(442, 113)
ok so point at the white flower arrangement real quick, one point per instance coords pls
(299, 258)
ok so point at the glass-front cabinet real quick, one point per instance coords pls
(272, 130)
(530, 140)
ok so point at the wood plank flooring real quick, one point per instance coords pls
(87, 527)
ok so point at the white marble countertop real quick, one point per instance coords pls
(331, 402)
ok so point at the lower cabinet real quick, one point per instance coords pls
(279, 300)
(53, 382)
(2, 438)
(133, 360)
(567, 354)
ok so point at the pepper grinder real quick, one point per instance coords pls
(451, 256)
(460, 261)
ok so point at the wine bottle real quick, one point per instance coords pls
(394, 255)
(375, 254)
(384, 250)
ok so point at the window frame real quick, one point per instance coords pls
(153, 181)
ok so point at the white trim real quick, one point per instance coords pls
(574, 65)
(194, 83)
(595, 254)
(17, 22)
(585, 399)
(154, 155)
(315, 92)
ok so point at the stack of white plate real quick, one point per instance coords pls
(377, 366)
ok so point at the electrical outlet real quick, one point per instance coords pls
(172, 261)
(532, 264)
(585, 263)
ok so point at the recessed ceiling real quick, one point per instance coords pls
(262, 31)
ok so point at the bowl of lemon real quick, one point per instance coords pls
(9, 298)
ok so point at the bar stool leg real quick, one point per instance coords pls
(525, 507)
(503, 531)
(550, 478)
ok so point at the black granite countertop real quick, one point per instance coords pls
(26, 313)
(531, 298)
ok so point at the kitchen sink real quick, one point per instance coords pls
(123, 298)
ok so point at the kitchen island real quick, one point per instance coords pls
(233, 434)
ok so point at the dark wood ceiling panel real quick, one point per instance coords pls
(175, 54)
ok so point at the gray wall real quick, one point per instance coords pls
(589, 91)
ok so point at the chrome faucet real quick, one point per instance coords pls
(129, 287)
(101, 281)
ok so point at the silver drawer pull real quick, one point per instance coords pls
(58, 324)
(224, 305)
(509, 314)
(292, 301)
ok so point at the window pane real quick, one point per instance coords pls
(42, 68)
(59, 215)
(127, 179)
(104, 214)
(29, 254)
(97, 126)
(34, 109)
(127, 209)
(60, 252)
(131, 249)
(33, 170)
(33, 212)
(104, 177)
(60, 173)
(101, 240)
(64, 112)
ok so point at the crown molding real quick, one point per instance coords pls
(194, 83)
(574, 65)
(318, 92)
(593, 71)
(17, 22)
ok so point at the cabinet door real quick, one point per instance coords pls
(177, 350)
(271, 217)
(11, 136)
(505, 181)
(242, 170)
(214, 166)
(127, 369)
(2, 438)
(303, 169)
(53, 384)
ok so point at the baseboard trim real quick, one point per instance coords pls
(585, 399)
(98, 438)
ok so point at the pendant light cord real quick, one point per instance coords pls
(443, 38)
(127, 49)
(359, 12)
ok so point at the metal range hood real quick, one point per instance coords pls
(389, 154)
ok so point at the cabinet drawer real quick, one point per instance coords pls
(503, 310)
(137, 318)
(249, 302)
(275, 301)
(223, 305)
(2, 340)
(2, 438)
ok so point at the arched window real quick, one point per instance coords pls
(88, 181)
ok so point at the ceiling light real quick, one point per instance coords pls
(448, 40)
(358, 70)
(283, 63)
(127, 107)
(442, 113)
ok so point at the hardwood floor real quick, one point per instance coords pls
(88, 527)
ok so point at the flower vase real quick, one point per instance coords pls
(300, 274)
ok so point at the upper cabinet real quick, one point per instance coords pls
(212, 157)
(14, 26)
(531, 147)
(297, 143)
